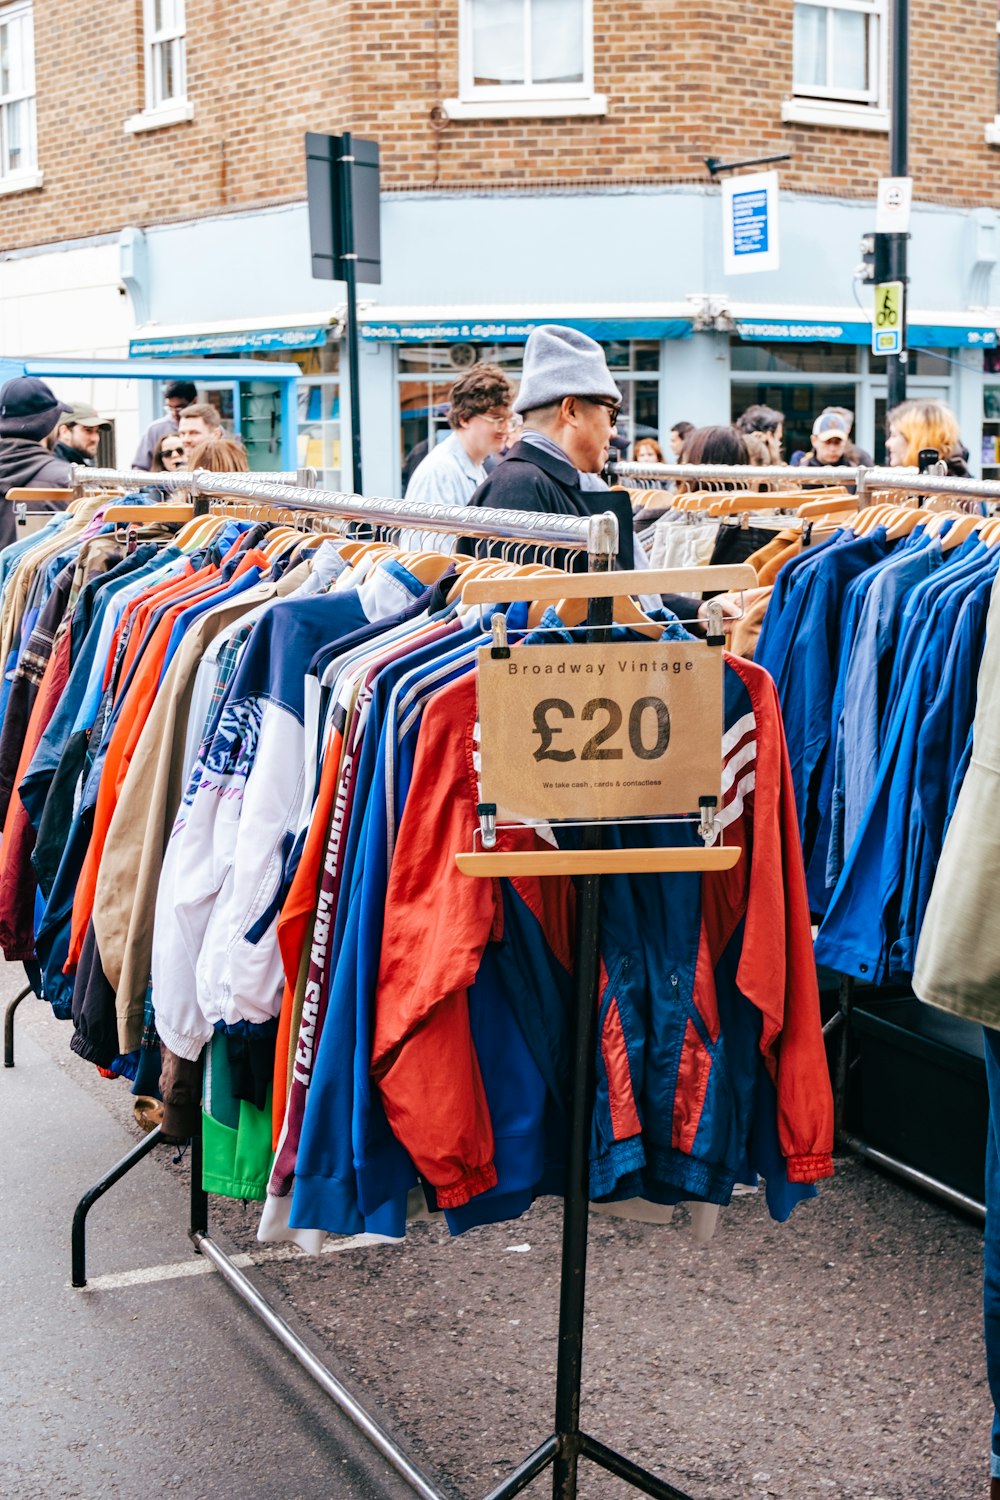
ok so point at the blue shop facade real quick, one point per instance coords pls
(465, 278)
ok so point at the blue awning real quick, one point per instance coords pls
(245, 341)
(500, 331)
(919, 335)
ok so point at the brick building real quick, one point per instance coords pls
(541, 159)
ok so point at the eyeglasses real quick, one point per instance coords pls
(613, 408)
(501, 424)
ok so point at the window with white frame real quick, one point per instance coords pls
(166, 75)
(838, 51)
(17, 92)
(522, 52)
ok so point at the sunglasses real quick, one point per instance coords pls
(613, 408)
(171, 452)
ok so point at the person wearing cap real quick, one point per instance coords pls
(78, 434)
(570, 406)
(831, 443)
(28, 413)
(178, 395)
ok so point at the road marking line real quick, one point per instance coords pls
(199, 1266)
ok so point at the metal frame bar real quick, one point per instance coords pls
(82, 477)
(8, 1026)
(78, 1235)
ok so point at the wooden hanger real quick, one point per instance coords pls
(839, 504)
(610, 585)
(21, 492)
(146, 515)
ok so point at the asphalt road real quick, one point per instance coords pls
(839, 1355)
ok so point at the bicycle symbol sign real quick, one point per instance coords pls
(887, 329)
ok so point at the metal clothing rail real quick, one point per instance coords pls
(599, 536)
(864, 479)
(82, 476)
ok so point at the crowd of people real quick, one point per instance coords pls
(486, 424)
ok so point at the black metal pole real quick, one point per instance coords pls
(576, 1206)
(199, 1197)
(78, 1236)
(349, 262)
(8, 1026)
(896, 364)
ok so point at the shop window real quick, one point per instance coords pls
(993, 126)
(800, 403)
(18, 161)
(790, 358)
(320, 416)
(164, 66)
(839, 63)
(525, 57)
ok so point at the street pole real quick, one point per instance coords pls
(349, 261)
(896, 364)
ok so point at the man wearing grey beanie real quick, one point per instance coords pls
(570, 405)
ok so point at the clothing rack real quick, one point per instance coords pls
(864, 479)
(868, 481)
(598, 536)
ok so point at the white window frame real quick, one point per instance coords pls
(486, 101)
(992, 129)
(27, 175)
(851, 109)
(158, 112)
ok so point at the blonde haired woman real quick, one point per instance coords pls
(915, 425)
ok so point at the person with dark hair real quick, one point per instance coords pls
(78, 434)
(679, 434)
(764, 419)
(168, 455)
(480, 418)
(177, 395)
(28, 413)
(714, 445)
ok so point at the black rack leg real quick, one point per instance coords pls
(573, 1287)
(86, 1203)
(843, 1055)
(199, 1198)
(8, 1026)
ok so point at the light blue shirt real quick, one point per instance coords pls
(447, 476)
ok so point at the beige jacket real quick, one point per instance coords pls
(958, 956)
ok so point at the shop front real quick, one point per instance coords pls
(800, 364)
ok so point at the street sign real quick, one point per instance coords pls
(887, 322)
(892, 207)
(750, 236)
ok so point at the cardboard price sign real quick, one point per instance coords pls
(601, 732)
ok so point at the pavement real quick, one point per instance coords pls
(838, 1355)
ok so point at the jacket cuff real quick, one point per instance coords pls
(809, 1168)
(180, 1089)
(473, 1183)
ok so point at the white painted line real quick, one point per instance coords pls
(198, 1266)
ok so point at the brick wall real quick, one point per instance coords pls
(683, 81)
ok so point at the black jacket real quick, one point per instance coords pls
(533, 480)
(25, 463)
(72, 455)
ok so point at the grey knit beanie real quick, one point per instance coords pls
(562, 362)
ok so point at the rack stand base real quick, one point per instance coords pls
(8, 1026)
(78, 1236)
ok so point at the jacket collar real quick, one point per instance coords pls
(558, 468)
